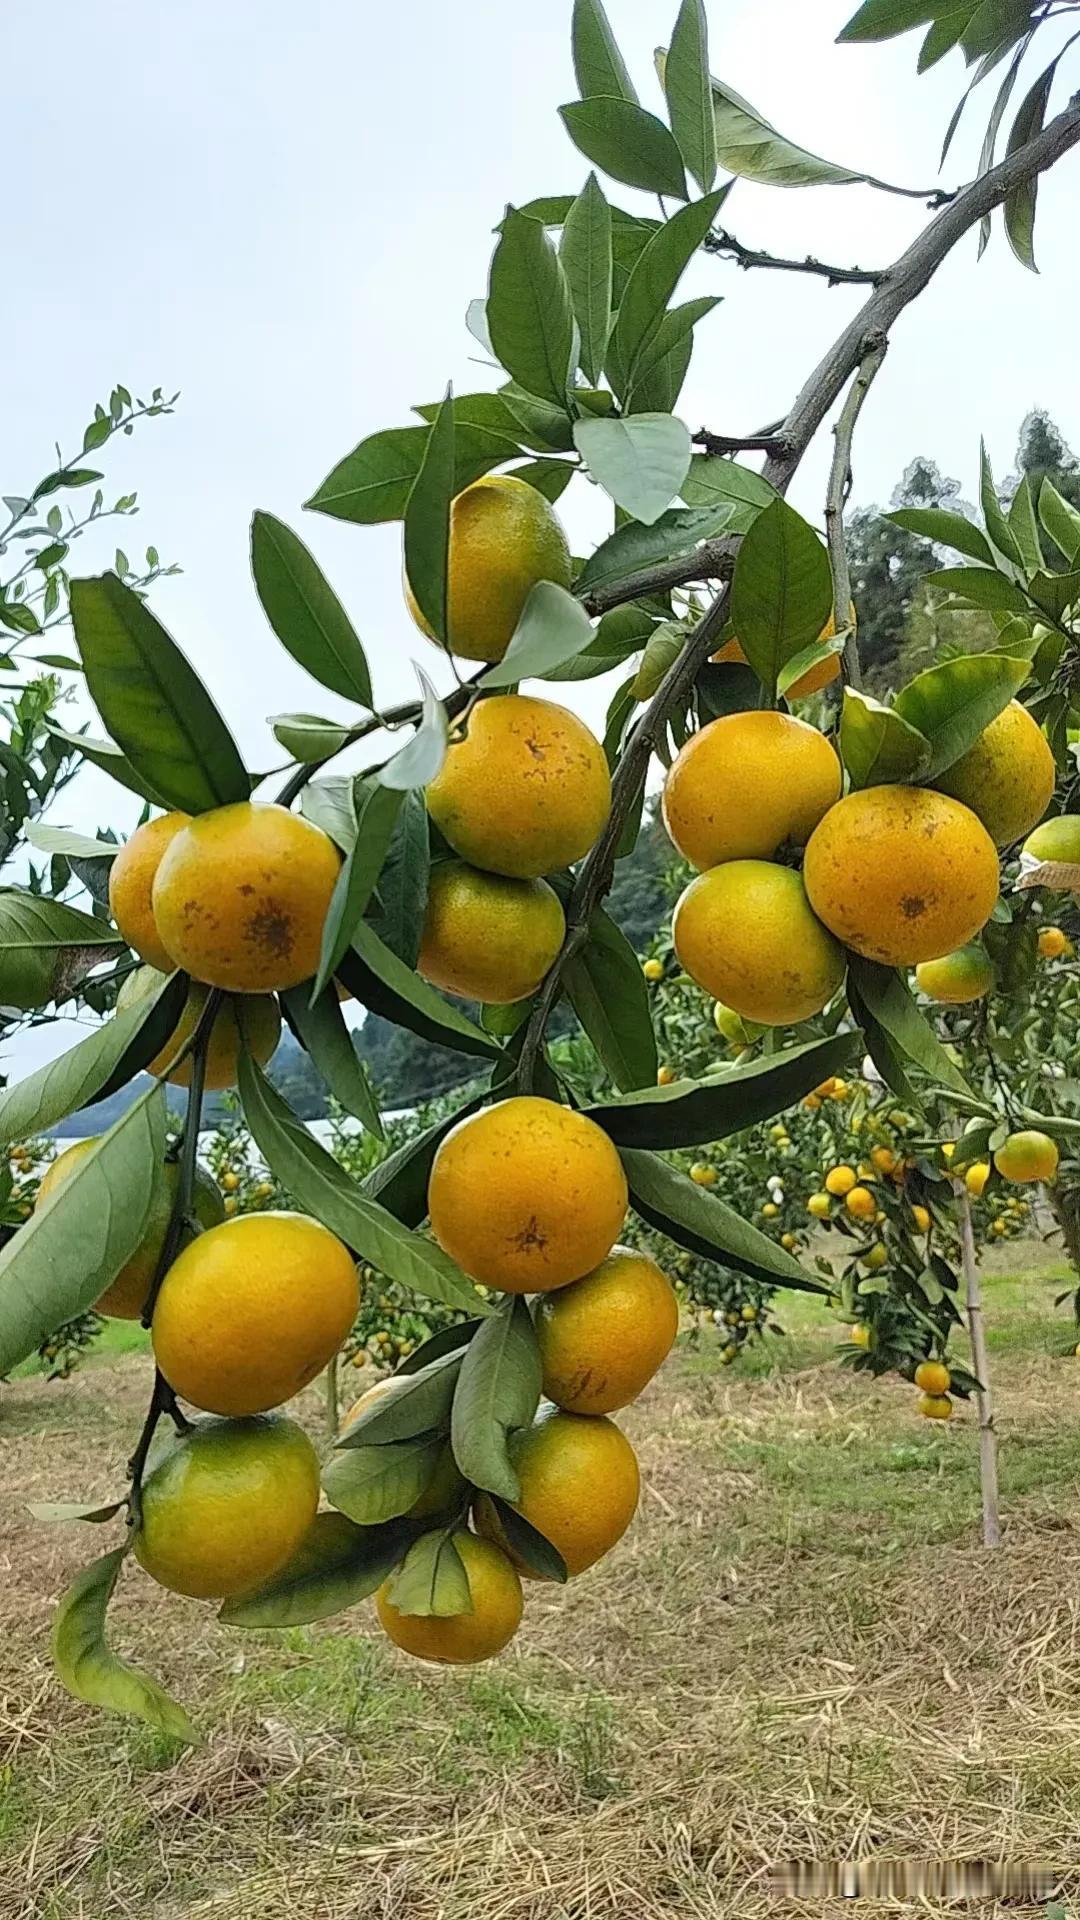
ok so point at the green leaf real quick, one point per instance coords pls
(781, 595)
(527, 1543)
(641, 461)
(689, 92)
(541, 423)
(749, 146)
(884, 19)
(415, 1405)
(385, 985)
(498, 1390)
(419, 760)
(884, 995)
(554, 628)
(329, 803)
(622, 632)
(371, 1484)
(107, 1059)
(93, 1673)
(994, 26)
(336, 1566)
(943, 36)
(400, 1182)
(103, 754)
(666, 1200)
(403, 882)
(78, 1239)
(624, 141)
(78, 845)
(376, 811)
(1055, 594)
(608, 992)
(692, 1113)
(305, 612)
(665, 644)
(1060, 519)
(948, 529)
(714, 480)
(427, 522)
(320, 1027)
(634, 548)
(877, 746)
(46, 948)
(810, 657)
(306, 737)
(373, 482)
(951, 704)
(996, 524)
(529, 313)
(659, 268)
(58, 1512)
(585, 252)
(431, 1579)
(667, 357)
(598, 65)
(549, 477)
(152, 702)
(981, 587)
(447, 1340)
(1025, 527)
(321, 1187)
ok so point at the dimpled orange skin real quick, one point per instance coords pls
(580, 1486)
(902, 874)
(527, 791)
(602, 1338)
(745, 932)
(262, 1030)
(125, 1296)
(746, 785)
(1007, 777)
(462, 1639)
(241, 895)
(527, 1195)
(227, 1506)
(131, 880)
(486, 937)
(504, 537)
(252, 1311)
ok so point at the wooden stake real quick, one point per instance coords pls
(988, 1475)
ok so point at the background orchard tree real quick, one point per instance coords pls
(262, 916)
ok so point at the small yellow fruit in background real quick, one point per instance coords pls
(884, 1159)
(745, 785)
(840, 1180)
(653, 969)
(789, 1241)
(131, 880)
(976, 1177)
(1056, 840)
(665, 1076)
(703, 1175)
(770, 1210)
(935, 1406)
(1026, 1156)
(1052, 943)
(861, 1335)
(1006, 777)
(921, 1217)
(956, 978)
(230, 1181)
(861, 1204)
(948, 1149)
(748, 1314)
(875, 1258)
(933, 1377)
(488, 938)
(819, 1205)
(999, 1227)
(840, 1090)
(811, 1101)
(504, 538)
(745, 932)
(461, 1639)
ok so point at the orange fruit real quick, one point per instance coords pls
(746, 934)
(1007, 776)
(486, 937)
(504, 538)
(819, 1205)
(921, 1217)
(131, 879)
(461, 1639)
(124, 1297)
(813, 680)
(525, 792)
(840, 1180)
(602, 1338)
(241, 895)
(935, 1406)
(901, 874)
(976, 1177)
(933, 1377)
(1057, 840)
(860, 1203)
(527, 1195)
(253, 1310)
(259, 1012)
(1026, 1156)
(579, 1486)
(748, 784)
(956, 978)
(1052, 943)
(736, 1031)
(227, 1506)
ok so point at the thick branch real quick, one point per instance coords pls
(836, 500)
(721, 242)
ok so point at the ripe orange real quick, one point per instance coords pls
(461, 1639)
(241, 895)
(935, 1406)
(840, 1180)
(124, 1297)
(253, 1310)
(956, 978)
(1052, 943)
(579, 1486)
(504, 537)
(228, 1505)
(976, 1177)
(262, 1030)
(131, 878)
(933, 1377)
(1007, 777)
(746, 934)
(1026, 1156)
(486, 937)
(921, 1217)
(602, 1338)
(901, 874)
(819, 1205)
(526, 791)
(527, 1195)
(748, 784)
(860, 1203)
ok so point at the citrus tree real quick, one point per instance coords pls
(473, 854)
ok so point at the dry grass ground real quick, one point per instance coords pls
(801, 1652)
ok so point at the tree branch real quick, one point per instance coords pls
(721, 242)
(723, 443)
(836, 500)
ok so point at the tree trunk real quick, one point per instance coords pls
(988, 1476)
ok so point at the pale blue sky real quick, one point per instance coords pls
(284, 211)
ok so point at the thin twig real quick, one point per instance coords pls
(455, 704)
(721, 242)
(723, 443)
(836, 499)
(988, 1473)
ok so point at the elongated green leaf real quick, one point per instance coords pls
(445, 1341)
(667, 355)
(306, 737)
(323, 1188)
(641, 461)
(400, 1182)
(385, 985)
(1054, 594)
(403, 882)
(608, 993)
(108, 1058)
(691, 1113)
(549, 477)
(948, 529)
(335, 1567)
(689, 92)
(781, 595)
(714, 481)
(58, 1512)
(152, 702)
(78, 1239)
(373, 482)
(1060, 519)
(527, 1543)
(749, 146)
(376, 811)
(884, 19)
(1025, 527)
(553, 628)
(624, 141)
(981, 587)
(63, 840)
(951, 704)
(598, 65)
(412, 1406)
(877, 746)
(427, 521)
(92, 1672)
(996, 524)
(542, 424)
(372, 1484)
(622, 632)
(320, 1027)
(635, 548)
(498, 1390)
(305, 612)
(329, 803)
(885, 995)
(529, 313)
(664, 646)
(660, 267)
(668, 1201)
(943, 36)
(994, 26)
(46, 948)
(431, 1579)
(419, 760)
(103, 754)
(585, 252)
